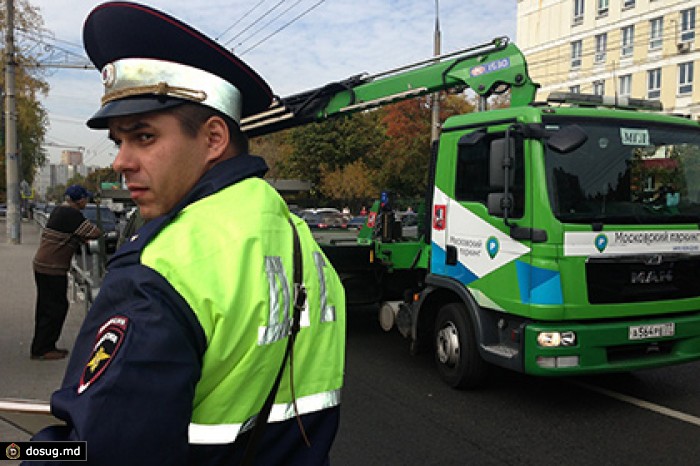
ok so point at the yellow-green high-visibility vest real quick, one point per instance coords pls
(230, 256)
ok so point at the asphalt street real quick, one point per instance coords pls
(21, 377)
(397, 411)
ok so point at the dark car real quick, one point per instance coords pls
(324, 220)
(409, 224)
(356, 223)
(108, 223)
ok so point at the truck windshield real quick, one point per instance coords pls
(627, 172)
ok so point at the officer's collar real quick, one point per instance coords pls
(224, 174)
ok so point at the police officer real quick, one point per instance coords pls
(193, 336)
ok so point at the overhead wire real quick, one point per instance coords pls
(257, 31)
(283, 27)
(561, 53)
(235, 23)
(260, 18)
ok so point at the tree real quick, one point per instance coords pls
(406, 152)
(325, 149)
(94, 180)
(276, 149)
(349, 183)
(31, 115)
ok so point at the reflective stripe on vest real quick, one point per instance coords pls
(214, 434)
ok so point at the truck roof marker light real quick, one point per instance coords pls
(592, 100)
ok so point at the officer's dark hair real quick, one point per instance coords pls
(192, 116)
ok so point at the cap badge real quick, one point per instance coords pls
(109, 75)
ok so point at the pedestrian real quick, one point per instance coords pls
(218, 333)
(65, 230)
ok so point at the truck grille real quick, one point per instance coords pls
(631, 279)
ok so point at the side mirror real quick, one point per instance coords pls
(567, 139)
(497, 202)
(498, 157)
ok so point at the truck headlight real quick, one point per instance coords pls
(556, 339)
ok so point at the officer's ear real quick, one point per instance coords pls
(217, 138)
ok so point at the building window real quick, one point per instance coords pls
(599, 87)
(575, 89)
(578, 11)
(576, 52)
(627, 41)
(654, 83)
(688, 25)
(601, 44)
(628, 4)
(625, 85)
(685, 78)
(656, 32)
(602, 8)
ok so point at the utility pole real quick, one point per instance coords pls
(14, 217)
(435, 120)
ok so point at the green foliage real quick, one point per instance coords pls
(32, 118)
(276, 149)
(329, 146)
(352, 159)
(102, 175)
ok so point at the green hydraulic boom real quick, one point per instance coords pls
(488, 69)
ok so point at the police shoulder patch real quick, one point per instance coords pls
(110, 337)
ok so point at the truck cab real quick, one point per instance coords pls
(564, 240)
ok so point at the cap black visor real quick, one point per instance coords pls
(131, 106)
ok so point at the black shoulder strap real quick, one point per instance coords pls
(299, 299)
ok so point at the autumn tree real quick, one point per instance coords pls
(276, 149)
(406, 152)
(94, 180)
(32, 118)
(323, 150)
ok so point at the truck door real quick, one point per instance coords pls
(478, 248)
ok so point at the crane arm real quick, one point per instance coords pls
(487, 69)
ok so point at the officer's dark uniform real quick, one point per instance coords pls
(180, 350)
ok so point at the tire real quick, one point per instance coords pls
(456, 352)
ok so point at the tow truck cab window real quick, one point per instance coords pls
(473, 173)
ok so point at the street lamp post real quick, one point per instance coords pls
(435, 120)
(14, 217)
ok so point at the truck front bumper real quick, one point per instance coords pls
(611, 346)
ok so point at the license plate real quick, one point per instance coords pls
(642, 332)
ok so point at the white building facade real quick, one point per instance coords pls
(646, 49)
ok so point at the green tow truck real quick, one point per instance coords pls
(559, 237)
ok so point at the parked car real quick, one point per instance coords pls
(324, 220)
(409, 224)
(109, 225)
(23, 211)
(356, 223)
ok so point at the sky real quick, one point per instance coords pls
(295, 45)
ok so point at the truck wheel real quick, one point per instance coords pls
(456, 353)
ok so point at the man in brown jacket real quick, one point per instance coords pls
(64, 231)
